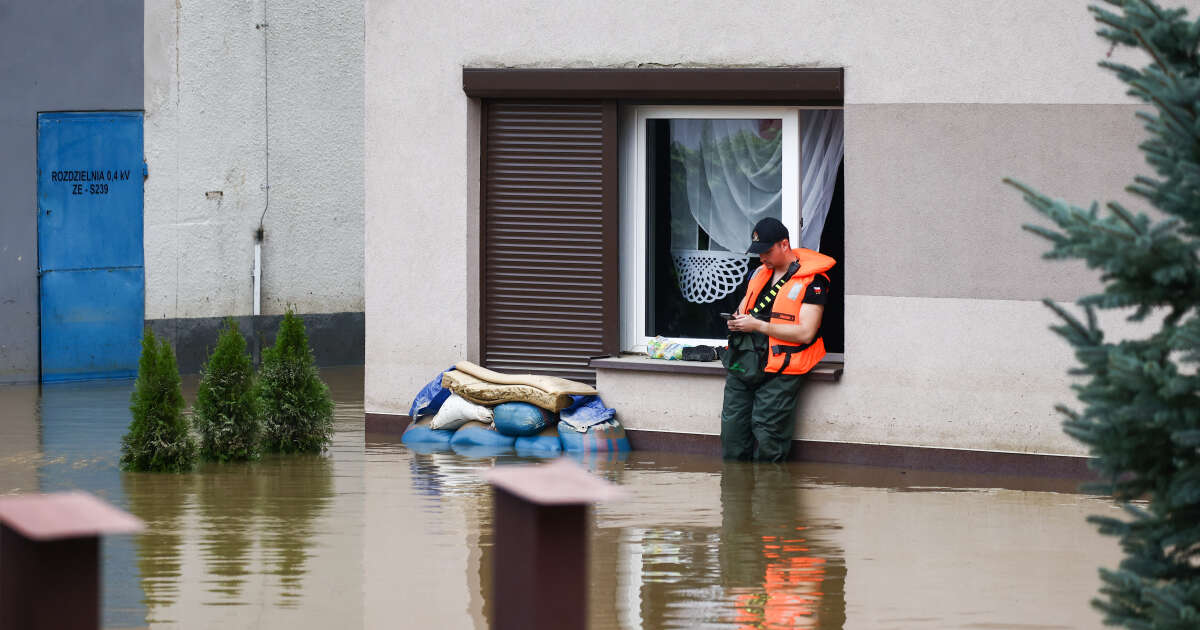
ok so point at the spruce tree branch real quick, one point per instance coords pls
(1102, 18)
(1113, 231)
(1070, 319)
(1124, 215)
(1109, 19)
(1153, 9)
(1188, 128)
(1162, 65)
(1027, 191)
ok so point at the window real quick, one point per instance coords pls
(694, 182)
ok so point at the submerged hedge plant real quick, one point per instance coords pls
(225, 413)
(297, 410)
(158, 439)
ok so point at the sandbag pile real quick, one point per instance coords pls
(477, 411)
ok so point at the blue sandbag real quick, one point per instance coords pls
(478, 434)
(419, 434)
(539, 445)
(520, 419)
(477, 451)
(597, 461)
(545, 444)
(606, 436)
(427, 448)
(430, 398)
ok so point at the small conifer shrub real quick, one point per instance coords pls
(225, 413)
(158, 438)
(297, 410)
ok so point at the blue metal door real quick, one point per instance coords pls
(90, 244)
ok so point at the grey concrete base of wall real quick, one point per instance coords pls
(335, 338)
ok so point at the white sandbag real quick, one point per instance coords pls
(457, 411)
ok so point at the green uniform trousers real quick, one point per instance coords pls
(761, 410)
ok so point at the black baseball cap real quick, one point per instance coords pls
(766, 233)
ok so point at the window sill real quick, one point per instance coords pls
(830, 369)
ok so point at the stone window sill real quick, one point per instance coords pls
(830, 369)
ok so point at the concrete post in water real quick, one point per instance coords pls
(539, 571)
(50, 559)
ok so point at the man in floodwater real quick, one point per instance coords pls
(773, 341)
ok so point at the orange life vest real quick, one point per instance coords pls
(785, 357)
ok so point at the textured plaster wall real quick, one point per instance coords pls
(927, 214)
(943, 99)
(935, 51)
(207, 117)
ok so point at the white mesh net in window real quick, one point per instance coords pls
(706, 276)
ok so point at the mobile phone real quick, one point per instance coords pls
(726, 316)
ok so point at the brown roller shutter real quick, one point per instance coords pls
(549, 237)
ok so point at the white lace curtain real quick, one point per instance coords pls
(821, 145)
(731, 174)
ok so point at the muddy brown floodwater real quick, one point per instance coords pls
(375, 535)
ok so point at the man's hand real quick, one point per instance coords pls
(744, 323)
(803, 331)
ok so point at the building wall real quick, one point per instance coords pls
(57, 55)
(946, 342)
(240, 96)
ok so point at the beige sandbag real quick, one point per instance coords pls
(549, 384)
(485, 393)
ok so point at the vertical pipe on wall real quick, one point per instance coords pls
(258, 277)
(258, 234)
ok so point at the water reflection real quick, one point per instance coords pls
(753, 557)
(712, 545)
(295, 492)
(226, 500)
(779, 575)
(426, 477)
(20, 439)
(81, 425)
(231, 510)
(218, 539)
(161, 500)
(375, 535)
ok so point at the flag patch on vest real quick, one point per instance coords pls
(794, 292)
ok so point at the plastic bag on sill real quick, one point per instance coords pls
(662, 348)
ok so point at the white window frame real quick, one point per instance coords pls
(633, 201)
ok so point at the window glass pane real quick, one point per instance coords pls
(708, 182)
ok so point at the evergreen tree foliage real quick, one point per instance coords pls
(158, 438)
(297, 410)
(1139, 399)
(226, 413)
